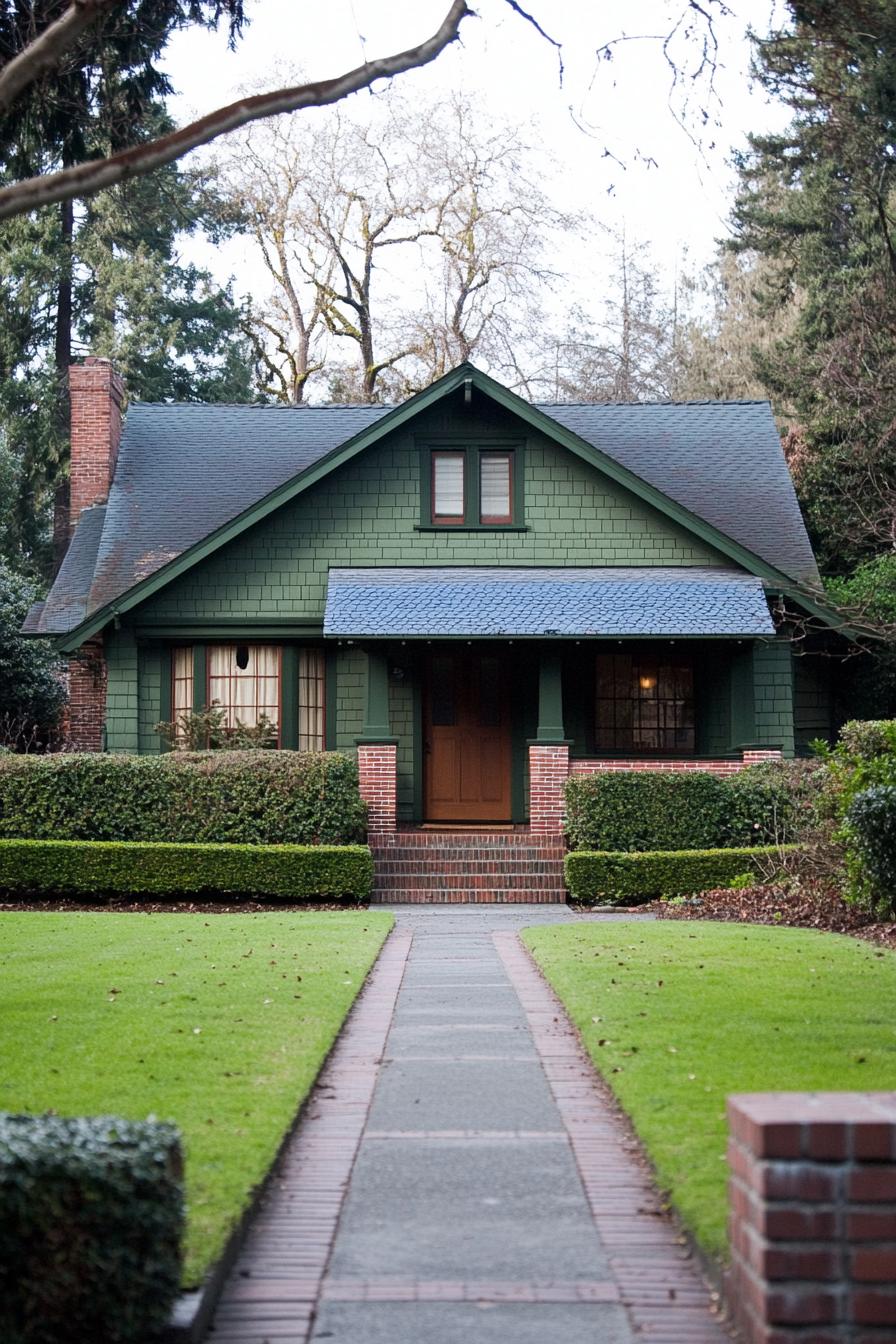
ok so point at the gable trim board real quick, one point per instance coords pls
(776, 580)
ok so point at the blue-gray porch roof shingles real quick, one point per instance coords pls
(435, 603)
(185, 471)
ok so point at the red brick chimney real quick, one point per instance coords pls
(96, 393)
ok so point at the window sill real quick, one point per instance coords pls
(470, 527)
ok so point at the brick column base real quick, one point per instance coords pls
(548, 772)
(813, 1217)
(756, 757)
(377, 775)
(85, 714)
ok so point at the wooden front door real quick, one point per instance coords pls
(466, 738)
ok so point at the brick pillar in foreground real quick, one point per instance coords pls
(85, 713)
(377, 774)
(812, 1217)
(548, 772)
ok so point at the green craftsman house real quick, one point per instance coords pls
(476, 594)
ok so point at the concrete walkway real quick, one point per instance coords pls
(461, 1176)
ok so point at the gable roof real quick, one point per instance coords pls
(190, 477)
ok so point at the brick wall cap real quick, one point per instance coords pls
(775, 1108)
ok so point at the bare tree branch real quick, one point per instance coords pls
(49, 47)
(97, 175)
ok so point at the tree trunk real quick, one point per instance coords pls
(62, 360)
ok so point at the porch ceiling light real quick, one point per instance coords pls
(647, 683)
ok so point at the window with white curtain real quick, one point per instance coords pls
(244, 679)
(311, 700)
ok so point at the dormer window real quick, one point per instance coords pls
(473, 487)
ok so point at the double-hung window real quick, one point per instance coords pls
(473, 487)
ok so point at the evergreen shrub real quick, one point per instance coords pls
(103, 867)
(215, 797)
(91, 1218)
(623, 878)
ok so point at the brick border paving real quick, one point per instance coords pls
(274, 1286)
(659, 1282)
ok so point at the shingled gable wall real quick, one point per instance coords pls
(97, 394)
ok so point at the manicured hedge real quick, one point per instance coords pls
(214, 797)
(91, 1217)
(616, 878)
(640, 810)
(92, 867)
(871, 831)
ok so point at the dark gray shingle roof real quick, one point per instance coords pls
(186, 470)
(66, 604)
(435, 603)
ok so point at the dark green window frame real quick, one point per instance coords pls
(514, 448)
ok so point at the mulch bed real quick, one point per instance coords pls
(65, 904)
(812, 906)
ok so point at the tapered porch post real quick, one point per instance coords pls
(377, 750)
(549, 751)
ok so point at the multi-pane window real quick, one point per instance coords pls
(311, 700)
(645, 703)
(246, 681)
(495, 487)
(181, 682)
(448, 490)
(472, 487)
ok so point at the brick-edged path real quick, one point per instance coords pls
(492, 1192)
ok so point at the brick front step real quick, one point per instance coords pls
(483, 867)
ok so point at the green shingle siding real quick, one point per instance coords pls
(122, 692)
(149, 669)
(367, 514)
(773, 694)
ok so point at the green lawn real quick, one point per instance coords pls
(218, 1023)
(678, 1015)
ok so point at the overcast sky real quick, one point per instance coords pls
(627, 145)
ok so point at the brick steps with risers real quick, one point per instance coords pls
(452, 867)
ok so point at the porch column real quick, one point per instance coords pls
(377, 750)
(549, 751)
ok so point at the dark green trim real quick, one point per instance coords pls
(417, 745)
(743, 699)
(503, 397)
(200, 678)
(518, 761)
(165, 694)
(470, 527)
(331, 693)
(289, 698)
(550, 699)
(236, 630)
(376, 726)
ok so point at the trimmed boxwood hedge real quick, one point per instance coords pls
(91, 1218)
(640, 810)
(91, 867)
(615, 878)
(213, 797)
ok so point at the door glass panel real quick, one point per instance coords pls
(442, 693)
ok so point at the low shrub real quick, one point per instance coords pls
(218, 797)
(91, 1217)
(871, 832)
(775, 802)
(636, 810)
(96, 867)
(618, 878)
